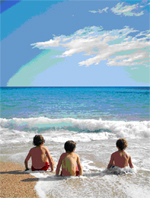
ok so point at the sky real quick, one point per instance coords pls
(75, 43)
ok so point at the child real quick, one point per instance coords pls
(69, 161)
(40, 156)
(120, 158)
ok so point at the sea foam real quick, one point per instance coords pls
(91, 129)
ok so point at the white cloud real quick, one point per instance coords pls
(116, 46)
(99, 10)
(105, 9)
(129, 60)
(128, 10)
(46, 44)
(93, 11)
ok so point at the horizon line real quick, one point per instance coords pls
(69, 86)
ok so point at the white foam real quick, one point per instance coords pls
(89, 166)
(94, 156)
(82, 186)
(11, 136)
(80, 129)
(39, 187)
(120, 171)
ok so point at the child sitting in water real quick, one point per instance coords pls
(40, 156)
(120, 158)
(69, 161)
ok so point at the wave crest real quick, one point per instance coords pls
(119, 128)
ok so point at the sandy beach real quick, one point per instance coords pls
(95, 118)
(15, 182)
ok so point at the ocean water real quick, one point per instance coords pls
(94, 118)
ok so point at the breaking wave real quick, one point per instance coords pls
(132, 129)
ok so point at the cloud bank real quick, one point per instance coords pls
(128, 10)
(115, 46)
(125, 10)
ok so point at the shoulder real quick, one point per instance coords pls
(44, 147)
(126, 154)
(45, 150)
(115, 153)
(76, 155)
(63, 155)
(32, 149)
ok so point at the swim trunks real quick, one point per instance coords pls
(45, 168)
(77, 171)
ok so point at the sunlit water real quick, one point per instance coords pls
(94, 118)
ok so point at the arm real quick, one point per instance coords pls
(50, 159)
(59, 165)
(79, 166)
(110, 162)
(26, 161)
(130, 162)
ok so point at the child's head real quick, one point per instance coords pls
(38, 140)
(121, 144)
(70, 146)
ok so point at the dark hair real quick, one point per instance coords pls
(38, 140)
(70, 146)
(121, 143)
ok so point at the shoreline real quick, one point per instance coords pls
(15, 183)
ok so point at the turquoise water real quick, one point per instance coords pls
(94, 118)
(80, 103)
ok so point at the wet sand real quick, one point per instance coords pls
(15, 182)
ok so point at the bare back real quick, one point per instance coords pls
(120, 159)
(69, 163)
(38, 156)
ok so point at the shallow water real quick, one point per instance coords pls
(94, 118)
(96, 182)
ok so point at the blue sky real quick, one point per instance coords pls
(75, 43)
